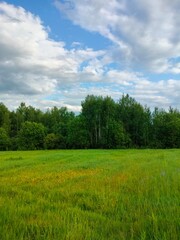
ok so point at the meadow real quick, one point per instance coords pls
(90, 195)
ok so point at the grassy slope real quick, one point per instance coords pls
(90, 194)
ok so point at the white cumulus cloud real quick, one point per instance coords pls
(43, 72)
(144, 32)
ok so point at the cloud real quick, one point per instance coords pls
(31, 62)
(146, 33)
(43, 72)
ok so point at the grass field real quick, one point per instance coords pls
(90, 195)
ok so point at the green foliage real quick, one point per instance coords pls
(116, 136)
(166, 128)
(136, 120)
(100, 116)
(4, 139)
(102, 123)
(92, 114)
(4, 118)
(90, 194)
(31, 136)
(51, 141)
(78, 134)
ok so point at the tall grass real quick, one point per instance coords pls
(90, 194)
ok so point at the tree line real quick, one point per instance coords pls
(102, 123)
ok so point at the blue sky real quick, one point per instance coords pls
(55, 52)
